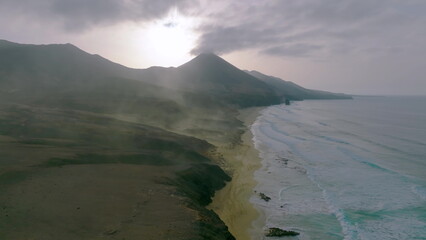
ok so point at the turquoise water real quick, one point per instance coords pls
(344, 169)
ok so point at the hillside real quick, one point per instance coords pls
(91, 149)
(210, 74)
(69, 174)
(88, 153)
(64, 68)
(65, 77)
(292, 91)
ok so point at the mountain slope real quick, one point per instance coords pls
(212, 76)
(89, 151)
(65, 77)
(208, 72)
(59, 60)
(292, 91)
(64, 67)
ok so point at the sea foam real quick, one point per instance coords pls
(330, 175)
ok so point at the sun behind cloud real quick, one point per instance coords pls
(169, 40)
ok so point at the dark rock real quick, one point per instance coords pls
(264, 197)
(278, 232)
(287, 101)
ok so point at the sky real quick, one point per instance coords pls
(374, 47)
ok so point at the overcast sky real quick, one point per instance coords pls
(351, 46)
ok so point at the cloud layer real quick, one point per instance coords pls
(287, 28)
(79, 15)
(306, 28)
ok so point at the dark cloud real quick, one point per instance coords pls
(227, 39)
(293, 50)
(296, 28)
(76, 15)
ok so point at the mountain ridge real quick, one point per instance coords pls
(292, 91)
(95, 143)
(100, 152)
(206, 73)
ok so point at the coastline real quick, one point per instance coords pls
(232, 203)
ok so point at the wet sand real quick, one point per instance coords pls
(232, 202)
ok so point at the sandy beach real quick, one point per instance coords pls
(232, 202)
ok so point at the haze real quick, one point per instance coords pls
(357, 47)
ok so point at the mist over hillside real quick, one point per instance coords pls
(64, 76)
(92, 148)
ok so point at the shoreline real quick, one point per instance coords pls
(232, 203)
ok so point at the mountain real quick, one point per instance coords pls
(64, 69)
(292, 91)
(213, 77)
(91, 149)
(6, 44)
(55, 60)
(58, 68)
(210, 74)
(179, 99)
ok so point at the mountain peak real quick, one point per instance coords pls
(208, 55)
(2, 41)
(206, 60)
(5, 43)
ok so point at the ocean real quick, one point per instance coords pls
(344, 169)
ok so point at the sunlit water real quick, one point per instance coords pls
(344, 169)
